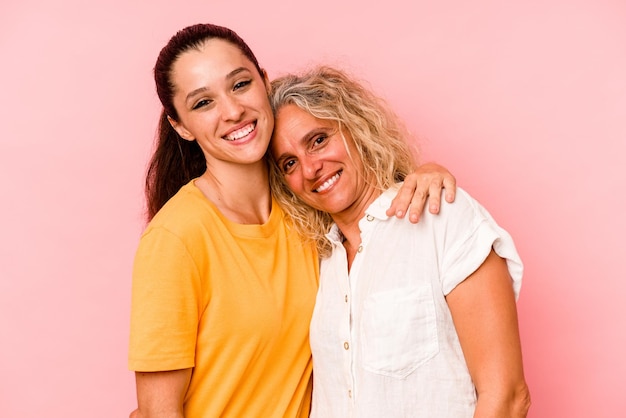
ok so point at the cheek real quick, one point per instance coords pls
(262, 104)
(203, 124)
(294, 183)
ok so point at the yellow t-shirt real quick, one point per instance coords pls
(232, 301)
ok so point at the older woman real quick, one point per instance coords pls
(411, 320)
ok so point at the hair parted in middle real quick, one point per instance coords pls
(176, 161)
(380, 138)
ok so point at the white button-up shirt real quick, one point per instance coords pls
(382, 336)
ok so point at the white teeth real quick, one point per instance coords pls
(328, 183)
(240, 133)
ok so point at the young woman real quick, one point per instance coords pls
(223, 287)
(411, 320)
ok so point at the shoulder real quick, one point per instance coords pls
(186, 208)
(463, 209)
(464, 205)
(458, 219)
(182, 221)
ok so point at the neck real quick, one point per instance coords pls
(240, 192)
(348, 220)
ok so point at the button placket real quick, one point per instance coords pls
(366, 228)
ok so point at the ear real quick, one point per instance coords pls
(180, 129)
(266, 80)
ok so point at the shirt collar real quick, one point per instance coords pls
(377, 209)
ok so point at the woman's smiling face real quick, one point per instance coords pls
(318, 165)
(222, 102)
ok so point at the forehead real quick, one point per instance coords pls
(212, 61)
(293, 127)
(292, 120)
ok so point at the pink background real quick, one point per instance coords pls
(525, 103)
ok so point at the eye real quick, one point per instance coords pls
(201, 103)
(319, 140)
(241, 84)
(288, 165)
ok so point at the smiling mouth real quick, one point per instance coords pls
(240, 133)
(328, 183)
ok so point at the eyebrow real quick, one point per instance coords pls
(230, 75)
(305, 139)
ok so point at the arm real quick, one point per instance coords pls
(426, 182)
(161, 394)
(484, 312)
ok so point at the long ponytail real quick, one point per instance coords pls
(174, 163)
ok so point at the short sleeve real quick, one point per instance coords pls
(165, 304)
(468, 234)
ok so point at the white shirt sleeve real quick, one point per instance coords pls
(467, 233)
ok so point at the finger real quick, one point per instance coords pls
(434, 197)
(417, 203)
(401, 202)
(449, 183)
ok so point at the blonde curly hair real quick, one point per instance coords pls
(380, 138)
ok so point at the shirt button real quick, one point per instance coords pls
(360, 249)
(346, 345)
(346, 298)
(370, 218)
(349, 393)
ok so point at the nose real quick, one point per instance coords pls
(231, 108)
(311, 166)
